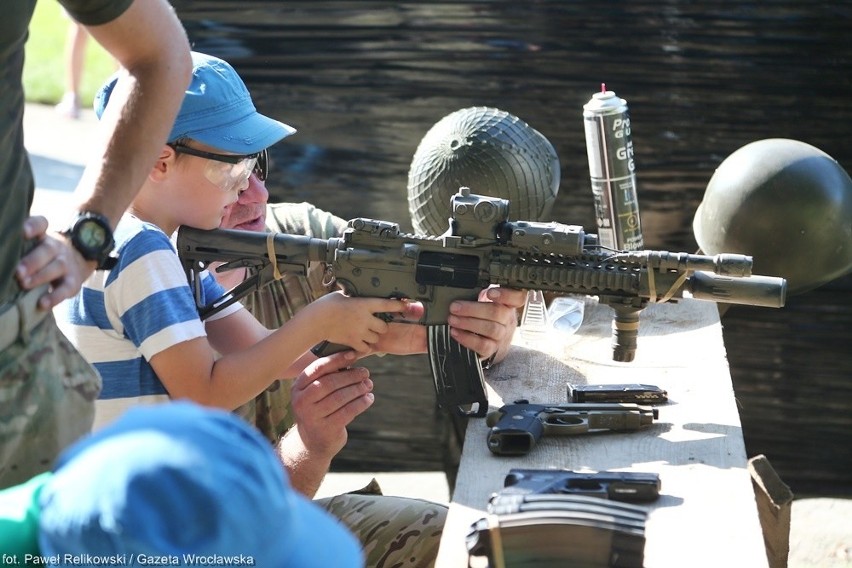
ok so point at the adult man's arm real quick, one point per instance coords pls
(149, 43)
(326, 397)
(329, 394)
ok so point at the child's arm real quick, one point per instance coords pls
(253, 357)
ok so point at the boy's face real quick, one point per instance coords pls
(207, 186)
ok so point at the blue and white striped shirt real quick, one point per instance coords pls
(123, 317)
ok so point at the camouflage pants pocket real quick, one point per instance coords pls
(394, 531)
(270, 411)
(47, 396)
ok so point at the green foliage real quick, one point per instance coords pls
(44, 67)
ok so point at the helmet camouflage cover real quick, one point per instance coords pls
(785, 203)
(490, 151)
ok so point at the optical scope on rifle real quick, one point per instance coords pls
(482, 247)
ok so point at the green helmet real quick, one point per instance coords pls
(787, 204)
(490, 151)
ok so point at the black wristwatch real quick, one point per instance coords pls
(91, 234)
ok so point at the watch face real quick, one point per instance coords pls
(91, 234)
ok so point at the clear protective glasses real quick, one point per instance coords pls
(229, 171)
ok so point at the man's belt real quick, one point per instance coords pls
(20, 316)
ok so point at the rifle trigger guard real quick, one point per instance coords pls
(328, 276)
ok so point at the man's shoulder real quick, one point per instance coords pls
(303, 219)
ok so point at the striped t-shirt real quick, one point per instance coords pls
(123, 317)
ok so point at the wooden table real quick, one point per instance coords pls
(706, 515)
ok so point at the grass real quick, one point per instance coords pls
(44, 67)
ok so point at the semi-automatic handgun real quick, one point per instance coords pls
(629, 486)
(515, 428)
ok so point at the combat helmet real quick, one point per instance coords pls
(787, 204)
(490, 151)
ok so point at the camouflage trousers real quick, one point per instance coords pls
(47, 397)
(396, 532)
(270, 411)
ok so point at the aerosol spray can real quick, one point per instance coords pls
(612, 170)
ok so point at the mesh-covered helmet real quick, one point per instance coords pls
(490, 151)
(787, 204)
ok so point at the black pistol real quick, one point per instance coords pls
(515, 428)
(628, 486)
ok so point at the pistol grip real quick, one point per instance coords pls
(326, 348)
(516, 432)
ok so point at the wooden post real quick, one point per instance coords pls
(774, 504)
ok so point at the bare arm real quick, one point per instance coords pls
(326, 397)
(253, 357)
(150, 43)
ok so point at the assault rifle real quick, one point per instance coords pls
(481, 247)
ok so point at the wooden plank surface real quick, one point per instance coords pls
(706, 515)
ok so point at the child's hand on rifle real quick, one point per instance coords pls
(356, 322)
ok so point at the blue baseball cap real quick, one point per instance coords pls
(217, 110)
(190, 482)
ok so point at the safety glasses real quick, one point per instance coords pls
(229, 171)
(261, 169)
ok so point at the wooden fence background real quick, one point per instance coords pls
(364, 80)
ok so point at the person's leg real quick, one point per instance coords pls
(394, 531)
(75, 56)
(270, 411)
(48, 394)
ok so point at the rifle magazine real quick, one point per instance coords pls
(457, 373)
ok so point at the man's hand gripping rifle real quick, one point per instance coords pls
(482, 247)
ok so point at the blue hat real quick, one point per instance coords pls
(182, 480)
(217, 110)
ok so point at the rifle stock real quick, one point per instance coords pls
(374, 258)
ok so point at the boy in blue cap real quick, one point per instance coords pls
(175, 484)
(138, 323)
